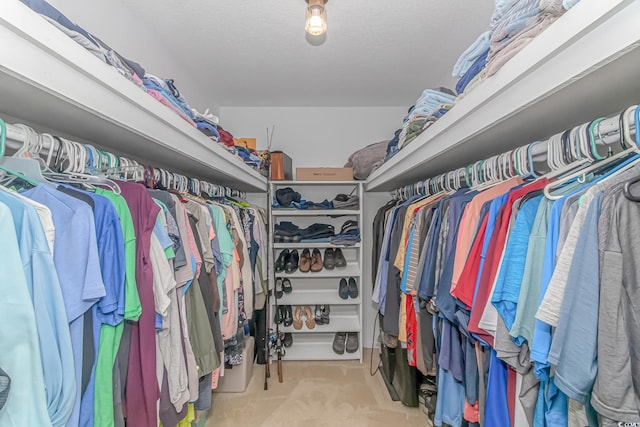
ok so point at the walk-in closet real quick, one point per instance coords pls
(319, 213)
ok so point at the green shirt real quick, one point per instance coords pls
(110, 336)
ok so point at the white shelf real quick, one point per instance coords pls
(321, 287)
(319, 245)
(314, 212)
(316, 296)
(583, 66)
(49, 80)
(316, 347)
(351, 270)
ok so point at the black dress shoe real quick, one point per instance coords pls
(281, 261)
(291, 264)
(329, 259)
(340, 260)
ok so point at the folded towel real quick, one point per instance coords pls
(568, 4)
(515, 19)
(472, 53)
(554, 7)
(537, 26)
(472, 72)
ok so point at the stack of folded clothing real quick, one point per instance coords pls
(472, 61)
(349, 234)
(207, 123)
(165, 91)
(317, 233)
(516, 25)
(346, 201)
(432, 104)
(287, 232)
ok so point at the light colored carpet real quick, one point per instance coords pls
(314, 394)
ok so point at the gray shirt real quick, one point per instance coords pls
(616, 392)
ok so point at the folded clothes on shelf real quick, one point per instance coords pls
(287, 232)
(287, 198)
(344, 201)
(349, 234)
(469, 56)
(475, 69)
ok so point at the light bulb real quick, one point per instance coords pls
(316, 23)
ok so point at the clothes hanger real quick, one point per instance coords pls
(627, 162)
(3, 166)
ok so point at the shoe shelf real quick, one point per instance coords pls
(319, 245)
(319, 288)
(351, 270)
(314, 212)
(337, 323)
(319, 296)
(316, 347)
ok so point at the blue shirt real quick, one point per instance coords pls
(52, 328)
(497, 410)
(507, 289)
(78, 266)
(21, 354)
(110, 309)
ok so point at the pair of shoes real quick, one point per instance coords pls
(310, 261)
(334, 258)
(297, 317)
(283, 315)
(348, 289)
(283, 286)
(287, 341)
(322, 314)
(345, 341)
(287, 261)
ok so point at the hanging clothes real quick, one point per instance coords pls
(496, 290)
(122, 302)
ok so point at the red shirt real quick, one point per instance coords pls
(494, 255)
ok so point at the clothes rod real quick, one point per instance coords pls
(607, 131)
(17, 134)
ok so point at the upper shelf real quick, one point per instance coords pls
(583, 66)
(49, 80)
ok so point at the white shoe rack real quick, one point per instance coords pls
(318, 288)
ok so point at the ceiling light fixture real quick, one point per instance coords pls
(316, 23)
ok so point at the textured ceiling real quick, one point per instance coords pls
(254, 52)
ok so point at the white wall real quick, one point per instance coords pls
(314, 136)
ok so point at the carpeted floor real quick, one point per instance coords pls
(314, 394)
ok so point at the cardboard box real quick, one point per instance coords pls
(324, 174)
(245, 142)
